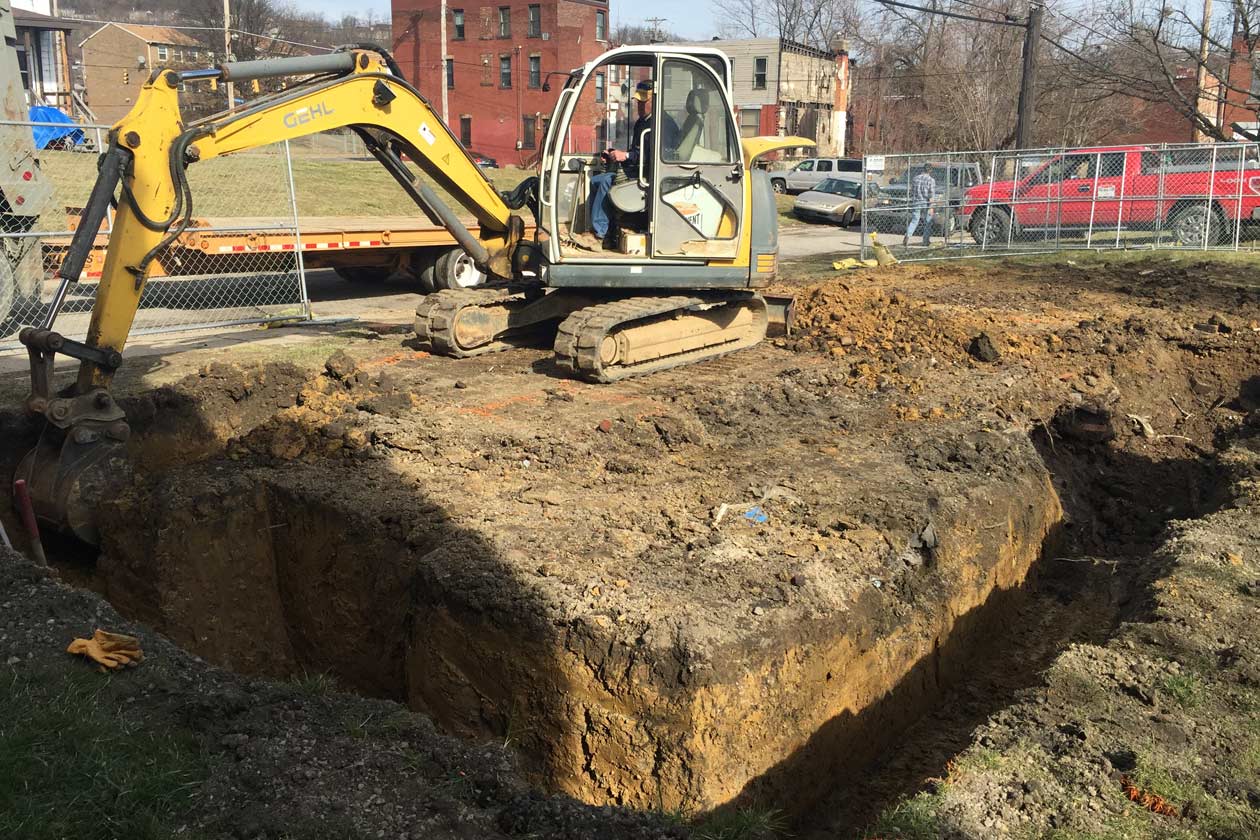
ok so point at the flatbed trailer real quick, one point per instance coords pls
(360, 248)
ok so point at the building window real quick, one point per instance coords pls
(535, 21)
(528, 139)
(505, 71)
(505, 22)
(601, 26)
(759, 72)
(486, 79)
(599, 87)
(162, 53)
(750, 122)
(450, 74)
(546, 123)
(535, 71)
(458, 15)
(465, 130)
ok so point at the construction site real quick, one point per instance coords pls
(669, 538)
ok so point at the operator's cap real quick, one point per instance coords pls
(643, 90)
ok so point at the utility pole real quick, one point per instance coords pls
(1028, 78)
(656, 28)
(1200, 87)
(446, 117)
(227, 53)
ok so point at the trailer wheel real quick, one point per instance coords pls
(363, 273)
(9, 323)
(456, 270)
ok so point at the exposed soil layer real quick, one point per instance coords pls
(741, 582)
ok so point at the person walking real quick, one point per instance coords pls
(922, 196)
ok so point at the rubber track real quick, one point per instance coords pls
(580, 335)
(435, 319)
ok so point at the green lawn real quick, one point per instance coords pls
(256, 184)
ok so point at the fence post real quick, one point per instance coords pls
(1124, 180)
(1238, 206)
(297, 234)
(988, 205)
(1093, 200)
(865, 210)
(1211, 197)
(1159, 191)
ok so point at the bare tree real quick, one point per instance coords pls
(1150, 51)
(810, 22)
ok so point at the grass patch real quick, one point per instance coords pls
(1186, 688)
(325, 186)
(744, 824)
(70, 766)
(319, 683)
(916, 818)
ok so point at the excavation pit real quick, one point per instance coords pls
(734, 583)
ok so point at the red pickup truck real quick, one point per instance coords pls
(1195, 194)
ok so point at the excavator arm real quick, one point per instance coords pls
(143, 173)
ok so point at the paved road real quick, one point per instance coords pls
(809, 240)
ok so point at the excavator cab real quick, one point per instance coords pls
(683, 199)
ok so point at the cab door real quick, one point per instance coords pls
(697, 177)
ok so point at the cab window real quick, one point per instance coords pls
(692, 100)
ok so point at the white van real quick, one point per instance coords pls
(811, 172)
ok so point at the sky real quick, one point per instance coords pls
(690, 18)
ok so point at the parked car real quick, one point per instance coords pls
(891, 211)
(835, 200)
(483, 161)
(811, 172)
(1196, 196)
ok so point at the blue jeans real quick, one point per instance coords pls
(920, 213)
(597, 206)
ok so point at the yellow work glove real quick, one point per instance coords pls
(110, 650)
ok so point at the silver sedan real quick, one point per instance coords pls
(836, 200)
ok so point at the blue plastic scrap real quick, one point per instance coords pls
(756, 515)
(56, 125)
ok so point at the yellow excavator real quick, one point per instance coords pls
(700, 219)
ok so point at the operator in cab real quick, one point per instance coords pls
(623, 166)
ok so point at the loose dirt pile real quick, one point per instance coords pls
(736, 585)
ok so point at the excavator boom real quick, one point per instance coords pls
(143, 173)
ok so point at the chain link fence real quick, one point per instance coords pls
(995, 203)
(239, 262)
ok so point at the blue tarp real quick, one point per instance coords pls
(60, 127)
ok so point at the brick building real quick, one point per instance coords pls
(496, 63)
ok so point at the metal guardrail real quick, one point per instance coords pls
(192, 288)
(997, 203)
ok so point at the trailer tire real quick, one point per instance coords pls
(8, 297)
(456, 270)
(1187, 225)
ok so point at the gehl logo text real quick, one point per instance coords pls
(304, 115)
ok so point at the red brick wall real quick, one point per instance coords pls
(496, 112)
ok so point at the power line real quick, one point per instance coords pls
(957, 15)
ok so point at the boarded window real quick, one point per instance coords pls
(750, 122)
(529, 140)
(465, 130)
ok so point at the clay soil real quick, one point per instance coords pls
(804, 580)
